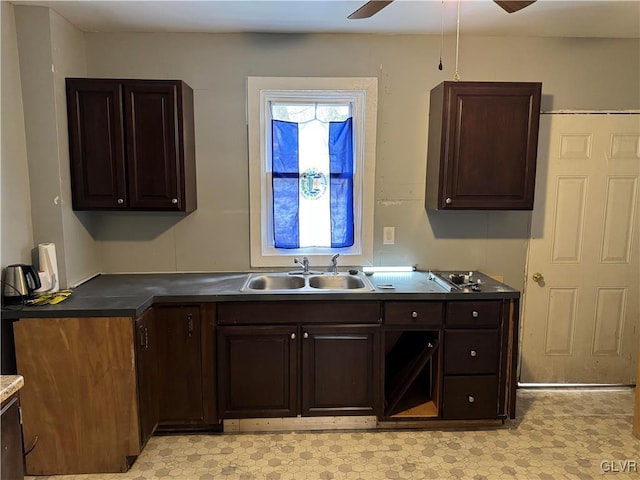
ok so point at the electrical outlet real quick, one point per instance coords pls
(389, 236)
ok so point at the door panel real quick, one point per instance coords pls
(340, 370)
(153, 161)
(94, 110)
(180, 364)
(257, 371)
(580, 315)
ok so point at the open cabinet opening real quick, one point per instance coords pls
(411, 374)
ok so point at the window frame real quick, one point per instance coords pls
(362, 92)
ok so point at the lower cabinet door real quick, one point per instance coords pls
(470, 397)
(341, 370)
(11, 440)
(180, 365)
(257, 371)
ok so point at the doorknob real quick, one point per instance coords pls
(537, 277)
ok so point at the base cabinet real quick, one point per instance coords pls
(298, 369)
(180, 392)
(257, 371)
(146, 350)
(11, 440)
(340, 370)
(80, 397)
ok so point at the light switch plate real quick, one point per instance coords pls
(389, 236)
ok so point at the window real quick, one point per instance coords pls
(311, 169)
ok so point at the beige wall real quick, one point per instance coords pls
(576, 74)
(50, 48)
(17, 233)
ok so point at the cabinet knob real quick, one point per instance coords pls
(471, 399)
(120, 201)
(293, 336)
(448, 201)
(306, 335)
(473, 353)
(475, 314)
(174, 200)
(414, 314)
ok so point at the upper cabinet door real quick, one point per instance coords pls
(483, 139)
(152, 145)
(96, 144)
(133, 141)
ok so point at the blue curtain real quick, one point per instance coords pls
(286, 183)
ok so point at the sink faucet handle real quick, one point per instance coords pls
(304, 263)
(334, 263)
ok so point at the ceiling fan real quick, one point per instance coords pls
(372, 7)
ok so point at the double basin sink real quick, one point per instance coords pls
(311, 282)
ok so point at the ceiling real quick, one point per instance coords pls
(546, 18)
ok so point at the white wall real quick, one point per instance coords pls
(576, 73)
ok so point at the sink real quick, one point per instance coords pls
(337, 282)
(283, 282)
(275, 282)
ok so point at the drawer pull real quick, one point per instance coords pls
(475, 314)
(473, 353)
(293, 336)
(414, 314)
(306, 335)
(471, 399)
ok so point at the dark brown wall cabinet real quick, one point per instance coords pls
(283, 370)
(131, 144)
(483, 139)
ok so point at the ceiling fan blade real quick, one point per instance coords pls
(511, 6)
(369, 9)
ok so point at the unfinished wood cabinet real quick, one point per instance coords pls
(636, 414)
(80, 397)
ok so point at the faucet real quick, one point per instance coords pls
(334, 263)
(304, 263)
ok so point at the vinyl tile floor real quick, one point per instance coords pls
(558, 434)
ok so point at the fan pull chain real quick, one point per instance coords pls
(441, 34)
(456, 77)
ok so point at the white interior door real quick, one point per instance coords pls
(580, 306)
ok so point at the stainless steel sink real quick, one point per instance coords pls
(275, 282)
(337, 282)
(282, 282)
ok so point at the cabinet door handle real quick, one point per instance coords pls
(120, 201)
(306, 335)
(190, 325)
(414, 314)
(144, 337)
(471, 399)
(475, 314)
(448, 201)
(293, 336)
(174, 200)
(473, 353)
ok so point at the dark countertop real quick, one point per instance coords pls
(130, 294)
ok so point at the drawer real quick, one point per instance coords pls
(474, 314)
(308, 312)
(471, 352)
(470, 397)
(413, 313)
